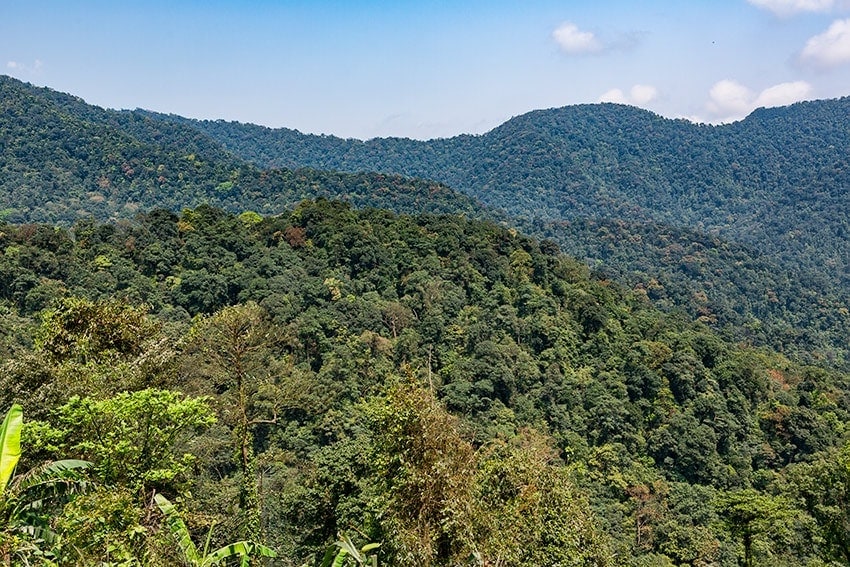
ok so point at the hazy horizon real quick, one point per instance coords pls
(428, 69)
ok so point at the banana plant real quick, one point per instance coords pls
(344, 551)
(24, 497)
(203, 558)
(10, 444)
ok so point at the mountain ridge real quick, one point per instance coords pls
(743, 181)
(775, 279)
(453, 389)
(62, 159)
(776, 183)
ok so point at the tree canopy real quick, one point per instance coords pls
(451, 389)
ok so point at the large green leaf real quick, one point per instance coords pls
(10, 444)
(242, 549)
(330, 555)
(346, 549)
(44, 482)
(178, 530)
(347, 545)
(65, 472)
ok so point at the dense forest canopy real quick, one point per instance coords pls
(742, 225)
(777, 180)
(774, 187)
(451, 389)
(61, 160)
(211, 335)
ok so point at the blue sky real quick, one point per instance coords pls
(428, 68)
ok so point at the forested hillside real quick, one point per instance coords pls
(770, 194)
(748, 296)
(777, 180)
(450, 389)
(741, 225)
(61, 160)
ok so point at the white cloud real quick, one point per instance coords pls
(639, 95)
(614, 95)
(830, 48)
(790, 7)
(784, 94)
(23, 67)
(728, 98)
(730, 101)
(643, 94)
(574, 41)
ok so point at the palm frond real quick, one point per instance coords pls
(38, 530)
(65, 473)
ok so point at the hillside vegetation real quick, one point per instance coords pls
(777, 180)
(61, 160)
(204, 348)
(450, 389)
(741, 225)
(759, 208)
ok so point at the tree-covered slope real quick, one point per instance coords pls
(777, 180)
(61, 159)
(749, 296)
(763, 202)
(457, 391)
(692, 214)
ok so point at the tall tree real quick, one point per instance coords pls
(235, 350)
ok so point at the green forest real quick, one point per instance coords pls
(449, 389)
(745, 220)
(61, 160)
(743, 225)
(590, 337)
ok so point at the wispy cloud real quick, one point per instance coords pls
(575, 41)
(791, 7)
(19, 67)
(730, 101)
(829, 49)
(638, 95)
(614, 95)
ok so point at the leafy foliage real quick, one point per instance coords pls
(457, 391)
(28, 498)
(344, 551)
(460, 392)
(63, 160)
(134, 439)
(742, 224)
(205, 557)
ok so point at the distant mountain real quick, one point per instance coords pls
(743, 225)
(62, 159)
(775, 188)
(778, 180)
